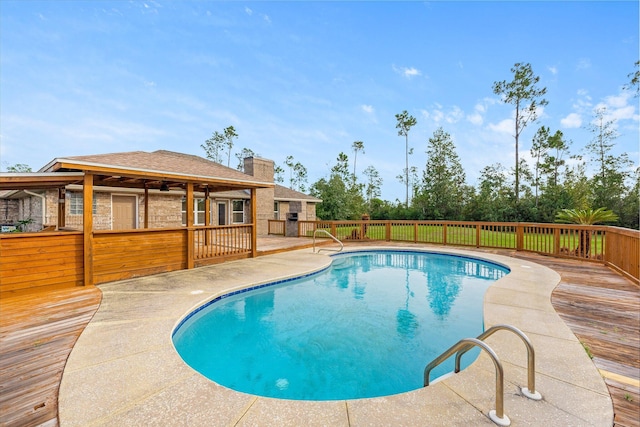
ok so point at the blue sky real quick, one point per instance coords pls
(307, 79)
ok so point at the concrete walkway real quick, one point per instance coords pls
(124, 369)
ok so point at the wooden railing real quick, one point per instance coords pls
(32, 260)
(623, 251)
(219, 243)
(276, 226)
(616, 247)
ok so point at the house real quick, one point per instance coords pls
(156, 202)
(121, 215)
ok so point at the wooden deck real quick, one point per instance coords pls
(602, 309)
(38, 331)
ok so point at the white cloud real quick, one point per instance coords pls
(480, 109)
(619, 101)
(573, 120)
(505, 126)
(266, 19)
(437, 115)
(475, 118)
(407, 72)
(618, 108)
(455, 115)
(367, 108)
(553, 70)
(583, 64)
(248, 11)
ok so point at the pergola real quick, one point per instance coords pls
(61, 173)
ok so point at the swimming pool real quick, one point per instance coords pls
(364, 327)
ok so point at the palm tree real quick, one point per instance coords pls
(585, 217)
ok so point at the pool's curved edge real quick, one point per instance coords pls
(115, 375)
(251, 287)
(248, 288)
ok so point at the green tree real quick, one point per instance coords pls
(634, 81)
(539, 148)
(493, 201)
(373, 185)
(243, 154)
(523, 93)
(229, 135)
(611, 170)
(443, 181)
(630, 211)
(297, 174)
(554, 157)
(341, 168)
(278, 174)
(219, 141)
(404, 124)
(585, 217)
(341, 195)
(356, 147)
(19, 168)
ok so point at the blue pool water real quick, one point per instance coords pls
(364, 327)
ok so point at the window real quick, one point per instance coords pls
(238, 212)
(276, 210)
(198, 211)
(76, 203)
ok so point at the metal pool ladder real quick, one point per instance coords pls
(330, 235)
(461, 347)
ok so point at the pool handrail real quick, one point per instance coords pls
(530, 390)
(497, 416)
(330, 235)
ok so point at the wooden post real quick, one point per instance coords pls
(254, 223)
(478, 234)
(556, 241)
(207, 216)
(62, 210)
(190, 231)
(146, 206)
(444, 234)
(387, 231)
(87, 226)
(519, 236)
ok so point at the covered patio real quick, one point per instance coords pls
(60, 256)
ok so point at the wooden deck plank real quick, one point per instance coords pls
(37, 332)
(602, 308)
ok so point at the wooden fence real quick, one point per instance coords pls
(613, 246)
(33, 260)
(36, 260)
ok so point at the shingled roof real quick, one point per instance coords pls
(162, 165)
(162, 161)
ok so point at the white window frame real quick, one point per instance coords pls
(76, 203)
(196, 200)
(276, 209)
(235, 212)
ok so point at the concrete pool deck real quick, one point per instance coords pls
(124, 369)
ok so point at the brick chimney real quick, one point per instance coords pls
(263, 170)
